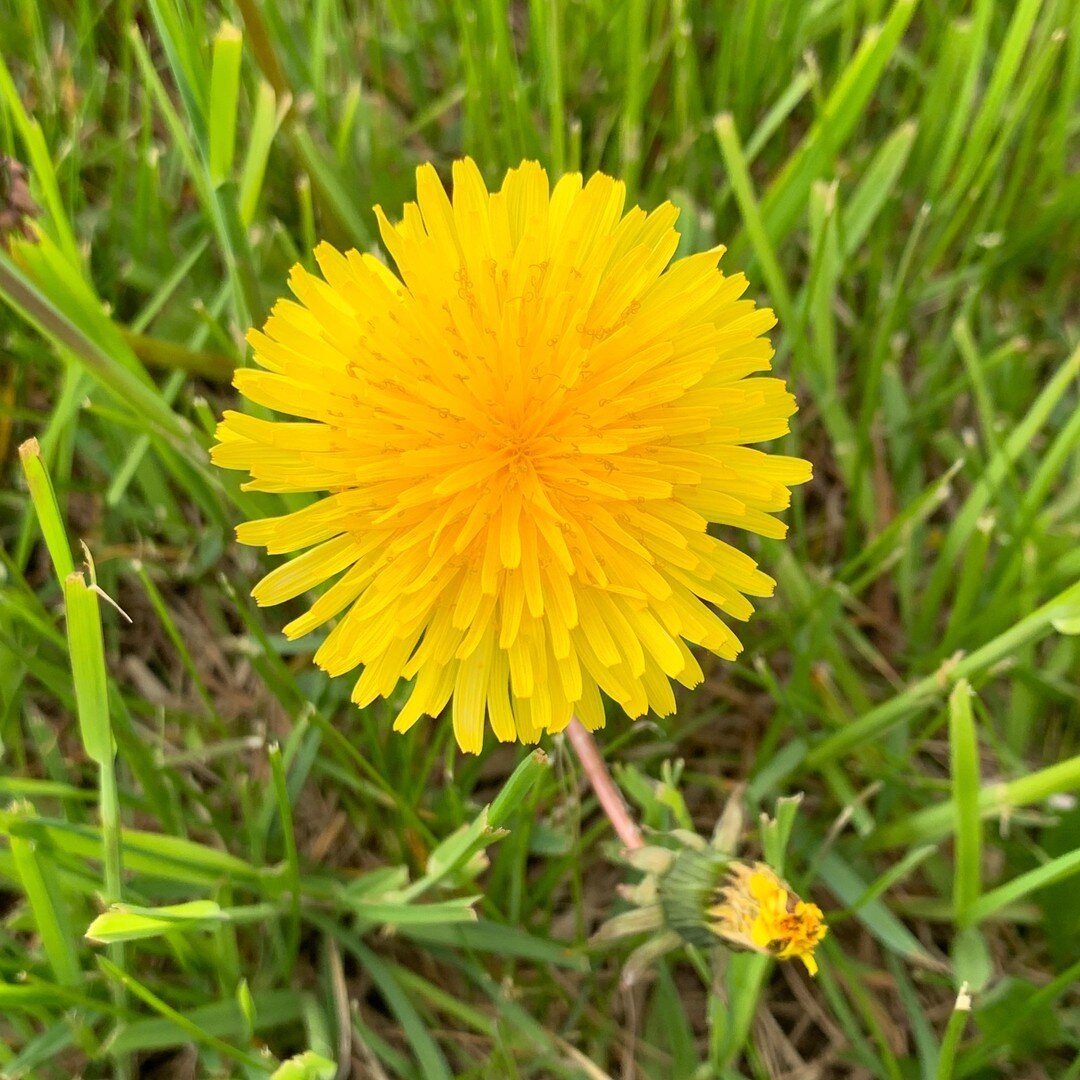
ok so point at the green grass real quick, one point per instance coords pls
(900, 181)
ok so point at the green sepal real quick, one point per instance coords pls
(688, 890)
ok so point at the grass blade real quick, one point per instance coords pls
(224, 100)
(964, 762)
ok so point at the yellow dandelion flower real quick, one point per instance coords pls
(696, 893)
(758, 911)
(520, 439)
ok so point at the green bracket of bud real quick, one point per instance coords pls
(688, 891)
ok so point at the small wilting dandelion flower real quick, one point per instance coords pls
(701, 894)
(756, 910)
(521, 441)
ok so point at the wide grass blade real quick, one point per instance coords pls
(964, 767)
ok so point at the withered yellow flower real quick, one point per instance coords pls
(520, 440)
(759, 911)
(699, 894)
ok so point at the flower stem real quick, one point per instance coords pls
(607, 794)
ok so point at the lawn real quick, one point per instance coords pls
(899, 181)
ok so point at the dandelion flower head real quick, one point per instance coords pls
(759, 911)
(519, 441)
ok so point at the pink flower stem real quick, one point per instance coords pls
(607, 794)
